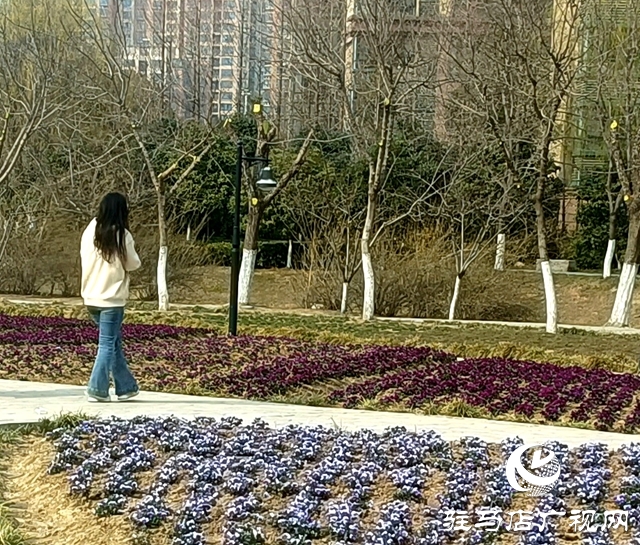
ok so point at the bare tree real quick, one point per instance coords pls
(614, 32)
(374, 58)
(32, 72)
(136, 104)
(471, 206)
(259, 202)
(35, 67)
(615, 198)
(517, 69)
(325, 209)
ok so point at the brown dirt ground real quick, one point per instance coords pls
(275, 288)
(582, 300)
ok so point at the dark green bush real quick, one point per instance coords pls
(590, 241)
(271, 255)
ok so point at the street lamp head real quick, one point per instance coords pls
(266, 183)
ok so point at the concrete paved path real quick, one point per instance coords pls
(28, 402)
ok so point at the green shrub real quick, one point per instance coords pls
(590, 241)
(271, 255)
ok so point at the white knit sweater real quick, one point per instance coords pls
(105, 284)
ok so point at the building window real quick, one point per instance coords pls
(227, 61)
(227, 97)
(227, 51)
(226, 74)
(126, 27)
(226, 84)
(226, 108)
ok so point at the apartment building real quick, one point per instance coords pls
(400, 19)
(302, 91)
(210, 57)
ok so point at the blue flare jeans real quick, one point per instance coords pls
(110, 360)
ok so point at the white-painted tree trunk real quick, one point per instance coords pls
(621, 313)
(189, 232)
(345, 298)
(501, 248)
(368, 301)
(163, 290)
(454, 299)
(246, 275)
(290, 256)
(608, 258)
(550, 297)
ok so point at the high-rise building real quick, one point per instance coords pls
(408, 22)
(209, 57)
(304, 92)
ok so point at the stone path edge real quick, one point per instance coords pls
(26, 403)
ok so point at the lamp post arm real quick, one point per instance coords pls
(249, 161)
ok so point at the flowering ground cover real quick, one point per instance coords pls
(568, 347)
(192, 360)
(179, 482)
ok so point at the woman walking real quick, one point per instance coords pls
(108, 254)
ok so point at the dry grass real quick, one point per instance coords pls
(582, 300)
(10, 533)
(270, 288)
(43, 508)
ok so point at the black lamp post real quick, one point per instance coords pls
(265, 184)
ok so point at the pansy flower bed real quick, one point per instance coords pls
(188, 360)
(219, 481)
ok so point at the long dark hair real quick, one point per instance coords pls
(112, 223)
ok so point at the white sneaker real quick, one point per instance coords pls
(97, 399)
(125, 397)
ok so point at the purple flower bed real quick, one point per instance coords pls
(311, 484)
(19, 330)
(181, 359)
(502, 386)
(165, 357)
